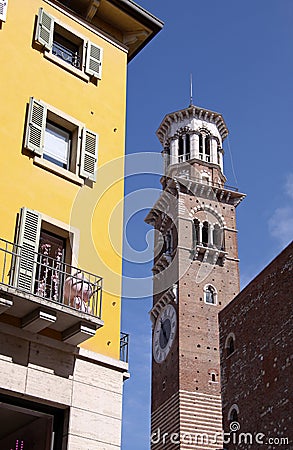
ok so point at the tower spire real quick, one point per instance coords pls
(191, 90)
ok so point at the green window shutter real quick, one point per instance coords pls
(93, 63)
(89, 154)
(3, 9)
(45, 29)
(36, 125)
(28, 237)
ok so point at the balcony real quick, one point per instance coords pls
(213, 184)
(184, 157)
(210, 252)
(209, 188)
(41, 293)
(67, 54)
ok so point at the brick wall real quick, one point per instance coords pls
(257, 376)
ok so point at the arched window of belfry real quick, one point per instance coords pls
(200, 146)
(180, 147)
(205, 234)
(218, 237)
(183, 146)
(204, 145)
(207, 149)
(187, 145)
(196, 231)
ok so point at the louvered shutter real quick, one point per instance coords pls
(93, 63)
(36, 125)
(28, 237)
(3, 9)
(89, 154)
(45, 29)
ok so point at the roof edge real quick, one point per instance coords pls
(194, 111)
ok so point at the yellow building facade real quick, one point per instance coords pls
(62, 135)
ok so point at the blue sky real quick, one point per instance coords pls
(240, 55)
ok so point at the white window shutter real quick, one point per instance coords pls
(28, 237)
(45, 29)
(36, 125)
(93, 63)
(89, 154)
(3, 9)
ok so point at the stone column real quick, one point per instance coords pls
(184, 147)
(166, 158)
(200, 227)
(221, 159)
(174, 150)
(211, 234)
(214, 151)
(194, 145)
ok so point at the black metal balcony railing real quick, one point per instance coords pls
(49, 278)
(67, 55)
(124, 343)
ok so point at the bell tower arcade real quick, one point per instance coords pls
(195, 275)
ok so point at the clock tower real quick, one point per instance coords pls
(195, 275)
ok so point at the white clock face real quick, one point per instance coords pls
(164, 333)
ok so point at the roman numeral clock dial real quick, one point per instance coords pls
(164, 333)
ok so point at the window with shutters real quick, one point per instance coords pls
(46, 254)
(68, 49)
(60, 143)
(50, 267)
(3, 10)
(44, 263)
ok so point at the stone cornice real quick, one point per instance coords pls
(123, 21)
(192, 112)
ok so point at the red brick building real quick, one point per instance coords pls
(195, 275)
(256, 341)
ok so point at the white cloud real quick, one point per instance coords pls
(289, 185)
(281, 222)
(281, 225)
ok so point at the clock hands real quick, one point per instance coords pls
(164, 331)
